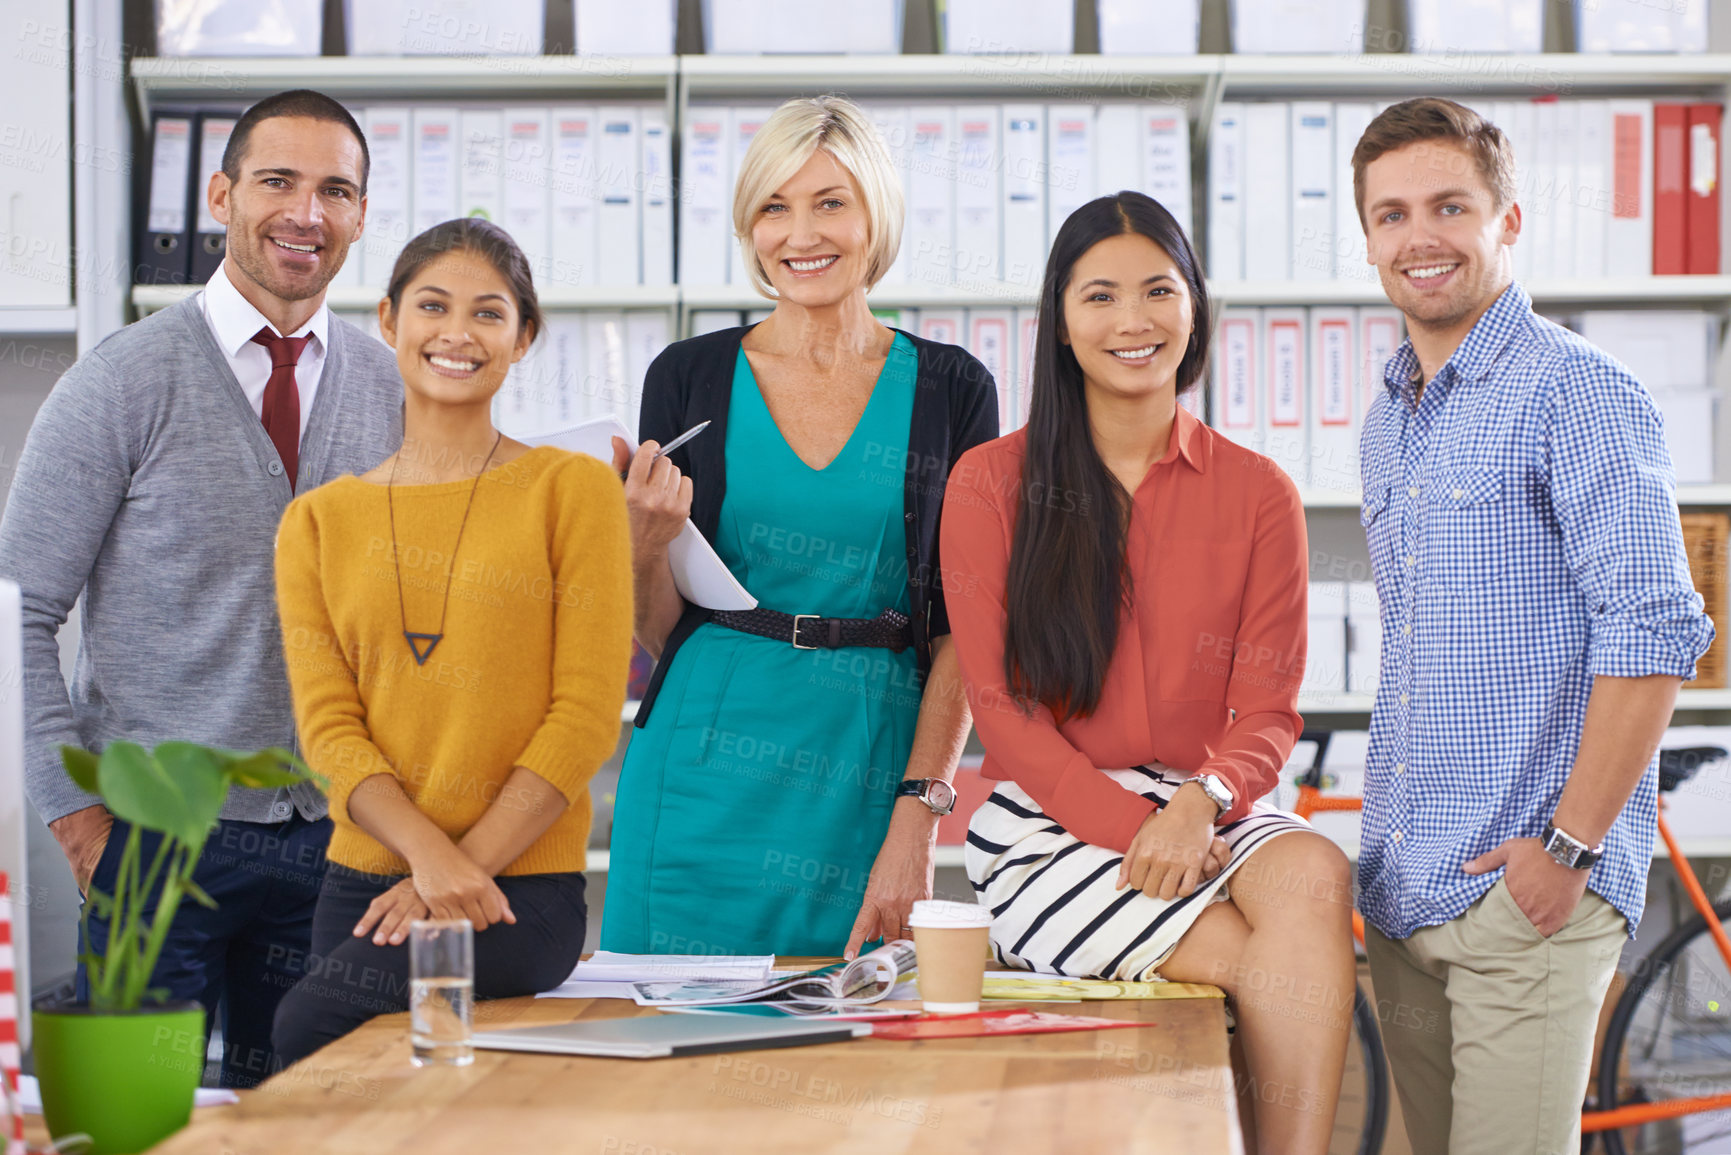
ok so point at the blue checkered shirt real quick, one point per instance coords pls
(1524, 537)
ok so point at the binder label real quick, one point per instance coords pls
(1336, 399)
(1239, 339)
(1285, 373)
(1381, 337)
(170, 162)
(1703, 160)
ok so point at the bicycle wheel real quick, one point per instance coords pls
(1670, 1038)
(1361, 1119)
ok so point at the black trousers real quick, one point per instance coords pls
(244, 955)
(349, 980)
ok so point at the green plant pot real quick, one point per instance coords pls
(126, 1080)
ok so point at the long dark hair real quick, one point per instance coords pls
(1067, 575)
(484, 239)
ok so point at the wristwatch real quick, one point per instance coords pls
(937, 794)
(1217, 790)
(1568, 850)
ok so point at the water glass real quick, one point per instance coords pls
(441, 991)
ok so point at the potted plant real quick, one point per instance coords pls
(123, 1067)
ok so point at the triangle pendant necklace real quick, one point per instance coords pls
(422, 645)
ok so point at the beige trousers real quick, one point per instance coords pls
(1489, 1027)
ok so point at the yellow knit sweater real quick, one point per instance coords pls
(531, 670)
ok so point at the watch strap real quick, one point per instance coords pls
(921, 788)
(1216, 790)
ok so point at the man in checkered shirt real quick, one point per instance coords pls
(1538, 618)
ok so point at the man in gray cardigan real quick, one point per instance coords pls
(152, 482)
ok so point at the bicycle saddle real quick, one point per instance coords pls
(1678, 766)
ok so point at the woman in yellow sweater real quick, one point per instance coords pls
(457, 624)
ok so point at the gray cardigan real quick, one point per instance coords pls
(148, 484)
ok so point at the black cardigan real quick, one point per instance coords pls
(955, 409)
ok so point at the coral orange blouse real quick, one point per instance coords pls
(1210, 651)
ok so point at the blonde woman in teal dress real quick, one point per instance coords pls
(783, 784)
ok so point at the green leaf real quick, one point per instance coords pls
(198, 895)
(269, 769)
(198, 771)
(80, 767)
(178, 792)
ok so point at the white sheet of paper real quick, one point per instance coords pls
(702, 577)
(611, 966)
(583, 989)
(608, 29)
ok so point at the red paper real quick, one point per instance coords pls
(994, 1023)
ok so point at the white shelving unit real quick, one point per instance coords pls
(1576, 74)
(242, 80)
(59, 322)
(1043, 77)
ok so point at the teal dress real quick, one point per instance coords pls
(754, 800)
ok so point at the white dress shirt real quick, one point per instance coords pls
(234, 322)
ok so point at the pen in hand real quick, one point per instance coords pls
(680, 440)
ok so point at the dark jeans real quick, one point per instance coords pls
(246, 954)
(349, 980)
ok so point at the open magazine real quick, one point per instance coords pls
(866, 980)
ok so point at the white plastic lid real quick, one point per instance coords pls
(936, 912)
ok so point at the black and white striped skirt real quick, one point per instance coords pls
(1052, 897)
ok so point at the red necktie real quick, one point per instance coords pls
(282, 399)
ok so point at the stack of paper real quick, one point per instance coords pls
(785, 26)
(615, 967)
(1287, 26)
(609, 28)
(1452, 27)
(1640, 26)
(444, 27)
(990, 26)
(611, 975)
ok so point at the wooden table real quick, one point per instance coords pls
(1165, 1087)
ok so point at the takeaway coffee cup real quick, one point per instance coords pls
(951, 940)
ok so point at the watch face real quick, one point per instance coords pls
(941, 796)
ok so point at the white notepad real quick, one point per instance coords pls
(668, 1035)
(701, 576)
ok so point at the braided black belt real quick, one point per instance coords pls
(890, 630)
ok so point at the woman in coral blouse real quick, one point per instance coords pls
(1127, 599)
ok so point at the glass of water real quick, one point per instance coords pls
(441, 991)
